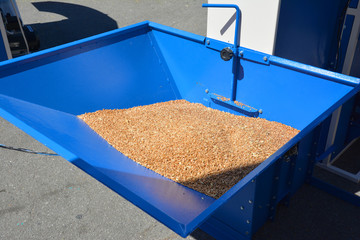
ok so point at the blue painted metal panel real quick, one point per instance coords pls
(3, 54)
(265, 184)
(294, 107)
(307, 31)
(149, 63)
(111, 73)
(343, 127)
(354, 3)
(75, 141)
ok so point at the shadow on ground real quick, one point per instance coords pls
(80, 22)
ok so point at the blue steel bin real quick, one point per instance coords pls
(147, 63)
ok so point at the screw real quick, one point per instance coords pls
(208, 42)
(250, 201)
(248, 221)
(207, 90)
(241, 53)
(265, 58)
(260, 111)
(242, 208)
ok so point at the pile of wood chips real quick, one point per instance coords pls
(202, 148)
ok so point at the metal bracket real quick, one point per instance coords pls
(243, 53)
(235, 105)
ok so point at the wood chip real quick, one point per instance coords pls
(200, 147)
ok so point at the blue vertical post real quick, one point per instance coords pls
(236, 60)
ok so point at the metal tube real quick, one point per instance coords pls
(237, 22)
(236, 59)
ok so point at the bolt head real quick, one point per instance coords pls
(226, 54)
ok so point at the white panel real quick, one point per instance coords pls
(258, 23)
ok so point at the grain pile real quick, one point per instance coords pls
(199, 147)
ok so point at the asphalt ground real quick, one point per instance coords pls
(46, 197)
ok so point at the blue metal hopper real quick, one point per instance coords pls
(147, 63)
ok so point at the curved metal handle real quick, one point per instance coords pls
(238, 17)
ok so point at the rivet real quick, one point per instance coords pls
(208, 42)
(260, 111)
(207, 90)
(265, 58)
(241, 53)
(250, 201)
(252, 180)
(248, 221)
(242, 208)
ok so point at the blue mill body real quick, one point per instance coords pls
(145, 63)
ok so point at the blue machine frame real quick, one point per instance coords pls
(146, 63)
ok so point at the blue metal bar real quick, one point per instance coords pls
(335, 191)
(238, 17)
(236, 61)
